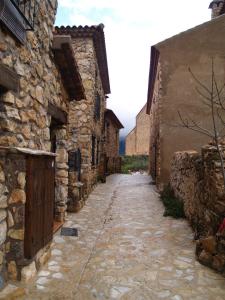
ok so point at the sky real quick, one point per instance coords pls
(131, 27)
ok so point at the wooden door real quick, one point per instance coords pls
(39, 204)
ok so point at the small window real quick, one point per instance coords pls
(97, 111)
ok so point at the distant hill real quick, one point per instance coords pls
(122, 146)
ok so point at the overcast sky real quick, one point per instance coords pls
(131, 27)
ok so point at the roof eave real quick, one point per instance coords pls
(97, 34)
(64, 58)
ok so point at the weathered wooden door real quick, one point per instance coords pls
(39, 204)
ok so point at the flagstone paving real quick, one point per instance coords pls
(125, 250)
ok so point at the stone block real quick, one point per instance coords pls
(16, 234)
(21, 179)
(41, 261)
(28, 272)
(12, 270)
(62, 155)
(12, 292)
(1, 257)
(8, 98)
(205, 258)
(2, 215)
(2, 175)
(17, 196)
(209, 244)
(10, 220)
(3, 232)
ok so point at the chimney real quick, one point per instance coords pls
(216, 6)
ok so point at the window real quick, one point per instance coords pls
(93, 150)
(78, 163)
(18, 16)
(97, 111)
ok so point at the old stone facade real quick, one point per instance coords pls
(112, 136)
(86, 118)
(197, 181)
(35, 97)
(172, 89)
(137, 141)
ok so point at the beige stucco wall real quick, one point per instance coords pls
(194, 49)
(131, 143)
(142, 132)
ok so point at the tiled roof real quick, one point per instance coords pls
(97, 34)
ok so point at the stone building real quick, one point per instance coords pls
(130, 143)
(172, 89)
(39, 80)
(86, 118)
(112, 136)
(137, 141)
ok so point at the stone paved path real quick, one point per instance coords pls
(125, 250)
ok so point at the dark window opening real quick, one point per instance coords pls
(78, 161)
(74, 162)
(93, 150)
(97, 111)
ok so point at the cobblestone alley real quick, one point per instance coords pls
(127, 250)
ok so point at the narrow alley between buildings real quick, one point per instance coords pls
(125, 249)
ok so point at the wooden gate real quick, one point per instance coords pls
(39, 208)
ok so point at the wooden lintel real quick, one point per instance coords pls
(58, 114)
(9, 79)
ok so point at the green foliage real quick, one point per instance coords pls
(173, 206)
(134, 163)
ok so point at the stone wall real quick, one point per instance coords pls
(197, 181)
(82, 122)
(25, 122)
(24, 118)
(13, 264)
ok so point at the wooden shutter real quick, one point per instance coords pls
(13, 20)
(39, 204)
